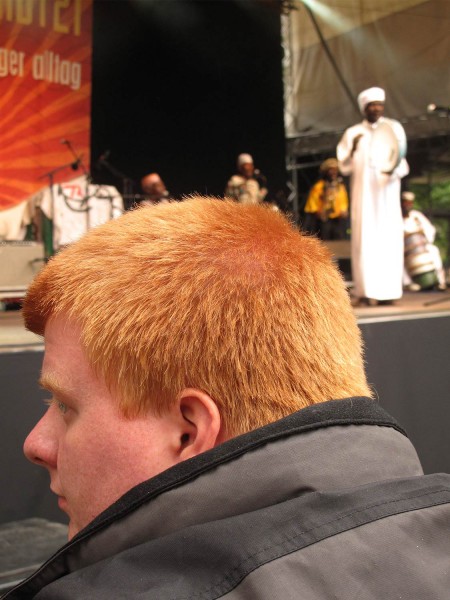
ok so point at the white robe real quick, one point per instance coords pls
(245, 191)
(376, 218)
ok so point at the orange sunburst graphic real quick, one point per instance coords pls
(45, 94)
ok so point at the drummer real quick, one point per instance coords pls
(376, 218)
(415, 222)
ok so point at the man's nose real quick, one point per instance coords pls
(41, 445)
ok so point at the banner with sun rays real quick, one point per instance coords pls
(45, 94)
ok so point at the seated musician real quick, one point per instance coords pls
(327, 203)
(416, 222)
(154, 190)
(248, 186)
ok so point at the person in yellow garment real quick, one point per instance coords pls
(328, 202)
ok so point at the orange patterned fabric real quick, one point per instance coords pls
(45, 93)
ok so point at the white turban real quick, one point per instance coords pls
(408, 196)
(373, 94)
(244, 159)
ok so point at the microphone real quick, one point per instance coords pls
(431, 108)
(260, 178)
(102, 159)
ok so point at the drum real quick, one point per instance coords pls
(418, 261)
(388, 145)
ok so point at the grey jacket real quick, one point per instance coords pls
(328, 503)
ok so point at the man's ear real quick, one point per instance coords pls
(201, 426)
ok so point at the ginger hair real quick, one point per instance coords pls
(227, 298)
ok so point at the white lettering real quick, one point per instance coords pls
(49, 67)
(37, 67)
(75, 76)
(11, 63)
(64, 72)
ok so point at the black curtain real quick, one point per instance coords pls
(182, 87)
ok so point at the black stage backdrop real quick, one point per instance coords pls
(182, 87)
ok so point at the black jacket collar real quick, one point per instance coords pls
(349, 411)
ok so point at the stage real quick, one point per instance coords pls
(413, 305)
(407, 359)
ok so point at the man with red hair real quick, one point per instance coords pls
(210, 431)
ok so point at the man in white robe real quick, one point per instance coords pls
(376, 217)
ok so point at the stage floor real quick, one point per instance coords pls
(14, 337)
(411, 305)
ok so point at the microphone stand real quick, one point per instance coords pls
(48, 247)
(127, 182)
(78, 158)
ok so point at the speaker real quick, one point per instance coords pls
(20, 261)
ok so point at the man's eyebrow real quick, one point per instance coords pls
(52, 384)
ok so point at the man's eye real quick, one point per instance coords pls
(62, 407)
